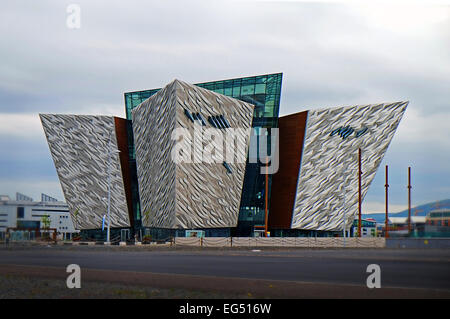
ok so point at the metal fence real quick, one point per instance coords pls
(21, 235)
(306, 242)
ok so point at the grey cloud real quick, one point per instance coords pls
(330, 54)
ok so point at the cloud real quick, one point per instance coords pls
(379, 207)
(32, 188)
(28, 125)
(22, 125)
(425, 129)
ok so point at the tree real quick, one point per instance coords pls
(46, 221)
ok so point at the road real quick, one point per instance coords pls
(407, 268)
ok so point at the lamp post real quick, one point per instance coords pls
(386, 218)
(345, 219)
(110, 153)
(344, 232)
(108, 233)
(359, 191)
(409, 201)
(266, 195)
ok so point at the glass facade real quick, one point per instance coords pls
(28, 224)
(163, 234)
(264, 92)
(365, 223)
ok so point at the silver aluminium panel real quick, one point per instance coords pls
(327, 188)
(79, 145)
(153, 121)
(186, 195)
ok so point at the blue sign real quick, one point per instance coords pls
(346, 131)
(103, 222)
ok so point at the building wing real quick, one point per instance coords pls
(327, 186)
(80, 145)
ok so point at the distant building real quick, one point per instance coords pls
(398, 226)
(403, 221)
(368, 228)
(25, 214)
(437, 223)
(438, 217)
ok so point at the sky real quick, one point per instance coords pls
(331, 53)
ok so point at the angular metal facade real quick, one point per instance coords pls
(79, 146)
(315, 189)
(327, 187)
(264, 92)
(186, 195)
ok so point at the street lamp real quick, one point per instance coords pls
(343, 194)
(345, 219)
(111, 152)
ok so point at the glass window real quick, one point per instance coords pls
(188, 115)
(219, 85)
(200, 118)
(261, 79)
(228, 168)
(248, 90)
(260, 88)
(269, 109)
(236, 91)
(212, 120)
(248, 81)
(20, 212)
(221, 122)
(227, 124)
(28, 224)
(227, 84)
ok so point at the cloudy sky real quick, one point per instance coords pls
(332, 53)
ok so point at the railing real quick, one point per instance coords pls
(20, 235)
(306, 242)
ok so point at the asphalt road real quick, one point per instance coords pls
(429, 269)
